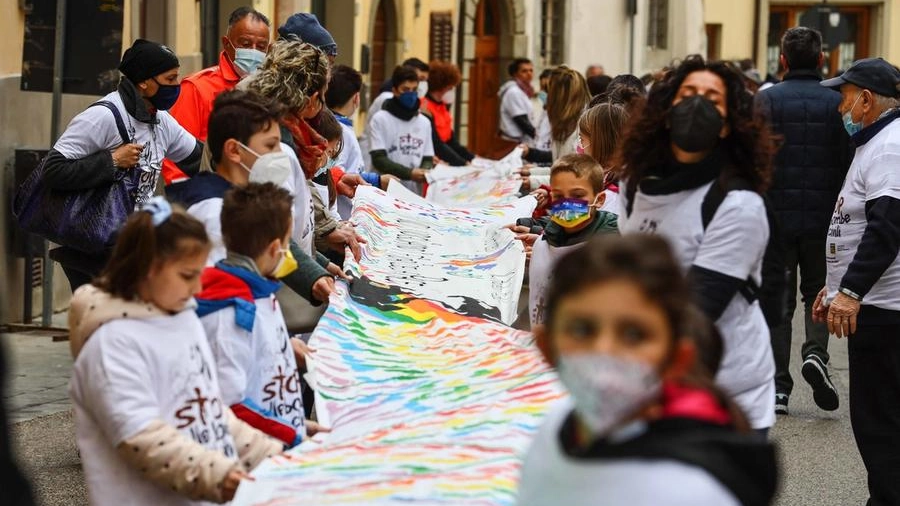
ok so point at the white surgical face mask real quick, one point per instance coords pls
(422, 89)
(449, 97)
(274, 167)
(248, 60)
(606, 389)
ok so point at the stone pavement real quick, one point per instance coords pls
(819, 461)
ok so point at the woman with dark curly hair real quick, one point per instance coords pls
(695, 162)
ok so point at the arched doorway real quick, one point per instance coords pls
(492, 33)
(384, 39)
(484, 79)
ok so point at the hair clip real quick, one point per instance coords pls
(159, 208)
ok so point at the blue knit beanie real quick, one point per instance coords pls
(306, 27)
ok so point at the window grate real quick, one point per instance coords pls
(440, 45)
(658, 24)
(552, 29)
(37, 272)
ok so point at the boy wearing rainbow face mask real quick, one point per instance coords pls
(576, 193)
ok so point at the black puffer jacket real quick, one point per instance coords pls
(814, 156)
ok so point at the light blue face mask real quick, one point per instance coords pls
(248, 60)
(328, 166)
(850, 126)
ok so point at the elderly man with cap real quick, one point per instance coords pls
(92, 152)
(861, 299)
(244, 47)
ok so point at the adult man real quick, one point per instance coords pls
(860, 298)
(809, 169)
(594, 70)
(515, 102)
(244, 48)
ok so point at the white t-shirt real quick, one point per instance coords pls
(209, 212)
(874, 173)
(611, 203)
(365, 139)
(513, 102)
(550, 476)
(257, 368)
(733, 244)
(304, 216)
(130, 373)
(94, 130)
(406, 142)
(543, 259)
(542, 140)
(351, 160)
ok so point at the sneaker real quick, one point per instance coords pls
(816, 374)
(781, 403)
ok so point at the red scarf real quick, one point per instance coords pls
(309, 145)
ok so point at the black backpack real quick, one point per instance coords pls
(773, 290)
(772, 293)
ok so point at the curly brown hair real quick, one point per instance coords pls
(750, 145)
(442, 75)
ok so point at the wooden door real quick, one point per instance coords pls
(379, 48)
(484, 81)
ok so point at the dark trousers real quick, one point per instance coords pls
(874, 353)
(808, 257)
(81, 268)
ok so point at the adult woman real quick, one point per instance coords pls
(91, 152)
(698, 134)
(567, 97)
(443, 78)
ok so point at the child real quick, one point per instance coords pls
(242, 317)
(244, 142)
(401, 137)
(151, 424)
(641, 428)
(576, 194)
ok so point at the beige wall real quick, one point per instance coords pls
(736, 18)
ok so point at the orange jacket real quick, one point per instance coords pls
(443, 121)
(194, 103)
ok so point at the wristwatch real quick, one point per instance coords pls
(850, 293)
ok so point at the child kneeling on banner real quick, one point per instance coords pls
(254, 355)
(151, 424)
(644, 424)
(576, 192)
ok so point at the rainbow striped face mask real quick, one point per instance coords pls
(569, 213)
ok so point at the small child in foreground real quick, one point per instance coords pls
(150, 421)
(644, 424)
(254, 354)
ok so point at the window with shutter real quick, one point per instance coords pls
(441, 43)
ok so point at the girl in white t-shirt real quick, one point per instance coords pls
(150, 421)
(643, 425)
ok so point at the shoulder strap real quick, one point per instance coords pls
(120, 124)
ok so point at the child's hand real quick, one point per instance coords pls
(528, 250)
(313, 428)
(301, 351)
(528, 239)
(518, 229)
(819, 309)
(386, 180)
(542, 196)
(348, 183)
(335, 270)
(231, 482)
(323, 288)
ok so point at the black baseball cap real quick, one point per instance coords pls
(873, 74)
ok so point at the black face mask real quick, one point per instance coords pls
(695, 124)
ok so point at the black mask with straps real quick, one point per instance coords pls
(695, 124)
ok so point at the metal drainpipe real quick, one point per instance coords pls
(757, 9)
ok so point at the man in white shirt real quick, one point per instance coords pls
(860, 299)
(516, 124)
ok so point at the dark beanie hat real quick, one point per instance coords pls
(306, 27)
(145, 59)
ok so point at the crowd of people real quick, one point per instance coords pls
(673, 221)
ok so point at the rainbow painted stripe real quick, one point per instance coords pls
(431, 401)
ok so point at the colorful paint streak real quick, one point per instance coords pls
(431, 398)
(481, 184)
